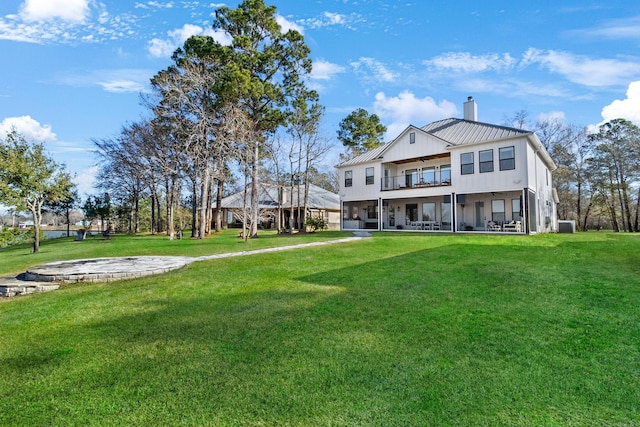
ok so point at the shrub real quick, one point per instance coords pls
(315, 223)
(13, 236)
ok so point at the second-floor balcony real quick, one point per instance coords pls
(417, 180)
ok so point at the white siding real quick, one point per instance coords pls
(425, 145)
(508, 180)
(360, 190)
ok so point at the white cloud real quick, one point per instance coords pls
(379, 70)
(286, 25)
(405, 109)
(151, 4)
(616, 29)
(75, 11)
(583, 70)
(325, 70)
(161, 48)
(333, 19)
(86, 180)
(66, 21)
(122, 86)
(467, 63)
(116, 81)
(628, 108)
(553, 116)
(510, 87)
(164, 48)
(28, 127)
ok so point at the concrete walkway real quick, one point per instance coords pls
(48, 277)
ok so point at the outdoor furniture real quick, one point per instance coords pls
(492, 226)
(425, 225)
(513, 226)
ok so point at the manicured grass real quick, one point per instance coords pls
(16, 259)
(399, 329)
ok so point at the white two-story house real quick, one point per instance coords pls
(453, 175)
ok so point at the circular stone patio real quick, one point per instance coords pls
(48, 277)
(104, 269)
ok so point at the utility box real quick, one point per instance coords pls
(566, 226)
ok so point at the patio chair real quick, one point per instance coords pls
(492, 226)
(515, 226)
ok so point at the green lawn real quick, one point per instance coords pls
(399, 329)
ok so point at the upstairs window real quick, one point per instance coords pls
(348, 178)
(445, 174)
(411, 177)
(428, 175)
(486, 161)
(412, 138)
(368, 172)
(466, 163)
(507, 158)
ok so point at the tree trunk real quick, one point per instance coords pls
(579, 203)
(279, 210)
(204, 201)
(68, 217)
(625, 201)
(306, 191)
(130, 220)
(612, 212)
(253, 232)
(635, 222)
(586, 214)
(194, 209)
(219, 193)
(169, 189)
(159, 215)
(37, 217)
(136, 215)
(153, 213)
(209, 207)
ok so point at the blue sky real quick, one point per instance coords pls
(73, 70)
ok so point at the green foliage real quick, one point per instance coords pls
(265, 66)
(29, 178)
(361, 131)
(97, 208)
(614, 170)
(13, 236)
(315, 223)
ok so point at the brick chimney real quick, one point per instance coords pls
(471, 110)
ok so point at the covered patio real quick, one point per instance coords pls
(492, 212)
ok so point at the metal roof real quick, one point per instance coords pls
(367, 156)
(462, 132)
(319, 198)
(453, 132)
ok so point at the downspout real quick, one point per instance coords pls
(454, 213)
(524, 206)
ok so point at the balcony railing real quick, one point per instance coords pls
(415, 181)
